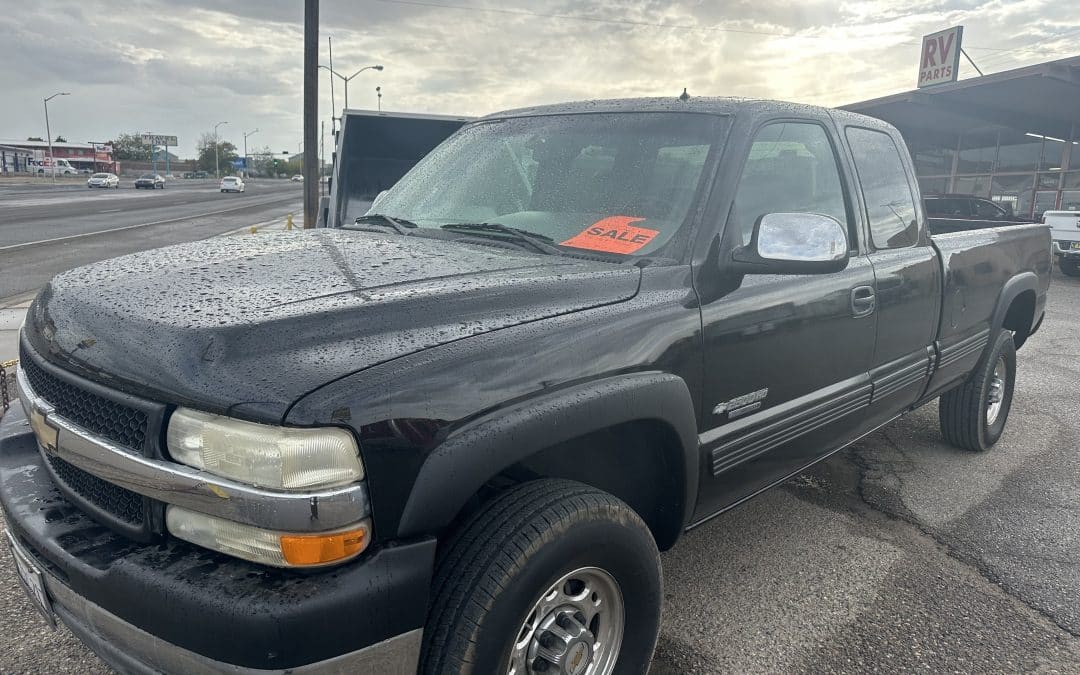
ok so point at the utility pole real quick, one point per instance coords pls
(246, 134)
(311, 111)
(217, 162)
(333, 101)
(322, 151)
(48, 133)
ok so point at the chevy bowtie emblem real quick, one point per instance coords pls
(47, 434)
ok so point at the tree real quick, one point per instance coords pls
(130, 147)
(60, 139)
(39, 139)
(226, 153)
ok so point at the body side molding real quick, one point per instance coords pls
(744, 440)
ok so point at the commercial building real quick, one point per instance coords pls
(1012, 136)
(90, 156)
(14, 160)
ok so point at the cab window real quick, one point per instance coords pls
(791, 168)
(890, 206)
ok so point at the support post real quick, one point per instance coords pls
(311, 111)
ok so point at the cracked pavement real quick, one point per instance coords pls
(900, 554)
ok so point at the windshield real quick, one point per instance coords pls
(101, 175)
(619, 183)
(149, 176)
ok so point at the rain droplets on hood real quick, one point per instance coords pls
(223, 319)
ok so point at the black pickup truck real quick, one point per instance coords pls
(452, 433)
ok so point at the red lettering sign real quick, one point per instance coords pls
(613, 234)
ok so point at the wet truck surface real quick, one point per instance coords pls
(451, 433)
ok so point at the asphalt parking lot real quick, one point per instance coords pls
(900, 554)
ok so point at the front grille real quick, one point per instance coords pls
(119, 502)
(114, 421)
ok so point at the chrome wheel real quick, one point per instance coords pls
(574, 628)
(996, 392)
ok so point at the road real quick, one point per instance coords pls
(900, 554)
(45, 230)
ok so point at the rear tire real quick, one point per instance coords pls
(1070, 267)
(547, 570)
(973, 415)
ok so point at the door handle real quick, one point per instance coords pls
(863, 301)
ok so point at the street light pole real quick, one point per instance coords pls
(217, 161)
(333, 101)
(48, 133)
(347, 79)
(246, 134)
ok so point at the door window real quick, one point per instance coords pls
(987, 210)
(890, 205)
(791, 168)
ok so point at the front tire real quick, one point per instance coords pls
(1070, 267)
(549, 576)
(973, 415)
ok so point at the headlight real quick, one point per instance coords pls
(268, 456)
(280, 549)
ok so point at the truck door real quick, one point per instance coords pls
(786, 356)
(907, 272)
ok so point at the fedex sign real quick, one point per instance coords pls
(940, 58)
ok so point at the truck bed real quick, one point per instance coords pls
(978, 266)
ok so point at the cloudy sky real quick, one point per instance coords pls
(179, 67)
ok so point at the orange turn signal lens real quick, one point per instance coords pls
(320, 549)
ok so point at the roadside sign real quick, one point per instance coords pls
(102, 147)
(939, 60)
(159, 139)
(239, 163)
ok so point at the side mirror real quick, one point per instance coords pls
(794, 243)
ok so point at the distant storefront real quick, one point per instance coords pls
(84, 156)
(1013, 136)
(14, 160)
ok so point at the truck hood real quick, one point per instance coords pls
(248, 324)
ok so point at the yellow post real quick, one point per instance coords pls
(254, 229)
(288, 222)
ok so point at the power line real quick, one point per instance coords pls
(595, 19)
(652, 24)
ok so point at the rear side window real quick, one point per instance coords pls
(791, 169)
(890, 206)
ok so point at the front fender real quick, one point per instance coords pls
(478, 451)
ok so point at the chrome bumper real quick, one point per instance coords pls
(133, 650)
(177, 484)
(1065, 251)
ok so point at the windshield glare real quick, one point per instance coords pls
(619, 183)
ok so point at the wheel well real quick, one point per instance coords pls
(1020, 316)
(639, 462)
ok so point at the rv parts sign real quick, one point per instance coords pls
(940, 58)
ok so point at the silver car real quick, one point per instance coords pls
(103, 180)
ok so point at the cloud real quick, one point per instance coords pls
(180, 67)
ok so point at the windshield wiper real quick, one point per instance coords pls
(539, 242)
(399, 225)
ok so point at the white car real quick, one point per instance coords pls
(232, 184)
(297, 178)
(103, 180)
(1065, 232)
